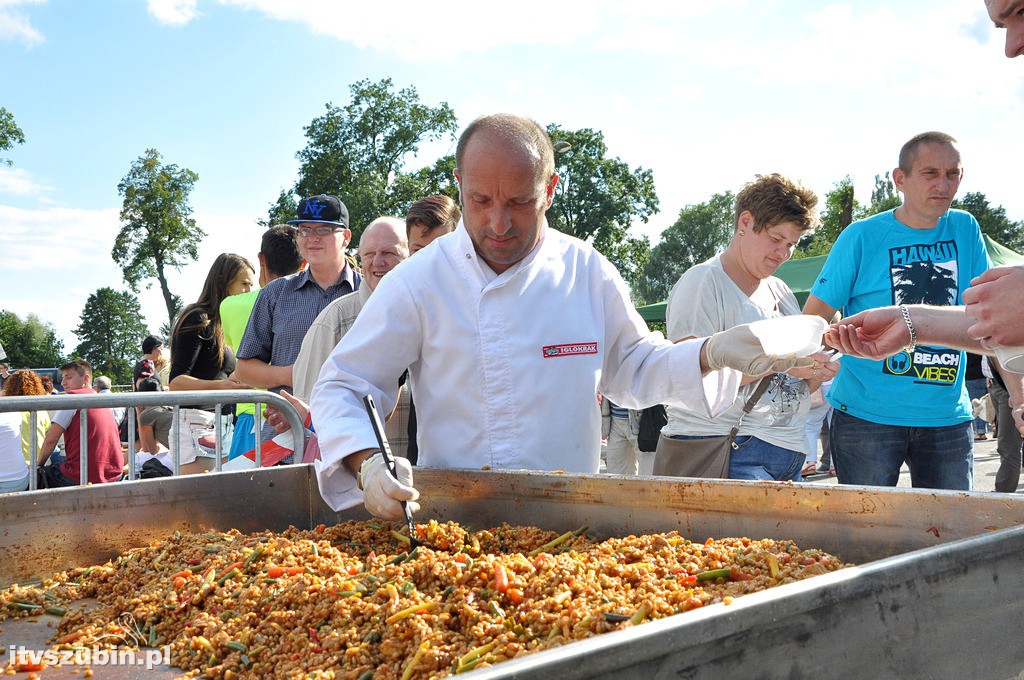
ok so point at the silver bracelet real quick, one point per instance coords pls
(910, 327)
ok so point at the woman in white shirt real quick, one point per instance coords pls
(739, 287)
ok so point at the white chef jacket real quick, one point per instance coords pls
(506, 367)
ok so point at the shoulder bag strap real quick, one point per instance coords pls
(754, 398)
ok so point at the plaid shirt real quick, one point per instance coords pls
(284, 311)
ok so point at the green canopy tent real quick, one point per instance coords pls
(800, 275)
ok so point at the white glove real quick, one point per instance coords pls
(382, 493)
(738, 348)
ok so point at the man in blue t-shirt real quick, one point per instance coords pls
(912, 406)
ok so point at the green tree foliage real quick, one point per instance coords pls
(438, 178)
(283, 209)
(157, 231)
(109, 333)
(598, 199)
(358, 152)
(836, 215)
(30, 343)
(701, 231)
(883, 197)
(993, 221)
(10, 134)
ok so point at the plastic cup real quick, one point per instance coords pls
(799, 334)
(1011, 358)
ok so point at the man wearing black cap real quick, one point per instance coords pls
(287, 306)
(152, 354)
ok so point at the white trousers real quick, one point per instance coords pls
(621, 451)
(193, 424)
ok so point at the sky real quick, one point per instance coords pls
(705, 95)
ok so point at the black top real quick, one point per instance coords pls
(194, 353)
(973, 367)
(144, 368)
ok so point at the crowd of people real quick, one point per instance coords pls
(505, 344)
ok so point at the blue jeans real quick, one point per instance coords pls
(871, 453)
(976, 389)
(754, 458)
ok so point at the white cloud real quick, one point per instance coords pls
(173, 12)
(413, 28)
(65, 253)
(28, 243)
(457, 28)
(15, 24)
(19, 182)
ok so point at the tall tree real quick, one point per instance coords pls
(359, 151)
(883, 197)
(157, 231)
(438, 178)
(993, 221)
(109, 333)
(30, 343)
(700, 231)
(283, 209)
(836, 215)
(598, 199)
(10, 134)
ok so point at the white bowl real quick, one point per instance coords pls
(799, 334)
(1012, 358)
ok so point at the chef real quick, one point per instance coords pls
(509, 329)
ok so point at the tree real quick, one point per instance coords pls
(993, 221)
(10, 134)
(883, 197)
(836, 215)
(30, 343)
(438, 178)
(700, 231)
(598, 199)
(109, 332)
(359, 152)
(283, 209)
(158, 231)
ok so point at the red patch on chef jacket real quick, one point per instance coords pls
(569, 349)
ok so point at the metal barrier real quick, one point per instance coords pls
(176, 399)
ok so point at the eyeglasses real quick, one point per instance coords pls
(322, 230)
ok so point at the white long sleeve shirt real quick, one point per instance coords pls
(506, 367)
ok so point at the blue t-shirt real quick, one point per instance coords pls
(877, 262)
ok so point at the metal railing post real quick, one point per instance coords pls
(132, 414)
(33, 449)
(217, 444)
(176, 441)
(83, 447)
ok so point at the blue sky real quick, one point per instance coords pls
(704, 94)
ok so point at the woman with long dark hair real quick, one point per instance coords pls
(199, 358)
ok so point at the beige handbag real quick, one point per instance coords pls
(705, 456)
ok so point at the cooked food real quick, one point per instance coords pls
(352, 601)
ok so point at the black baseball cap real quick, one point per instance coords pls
(150, 343)
(322, 209)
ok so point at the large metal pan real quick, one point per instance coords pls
(937, 592)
